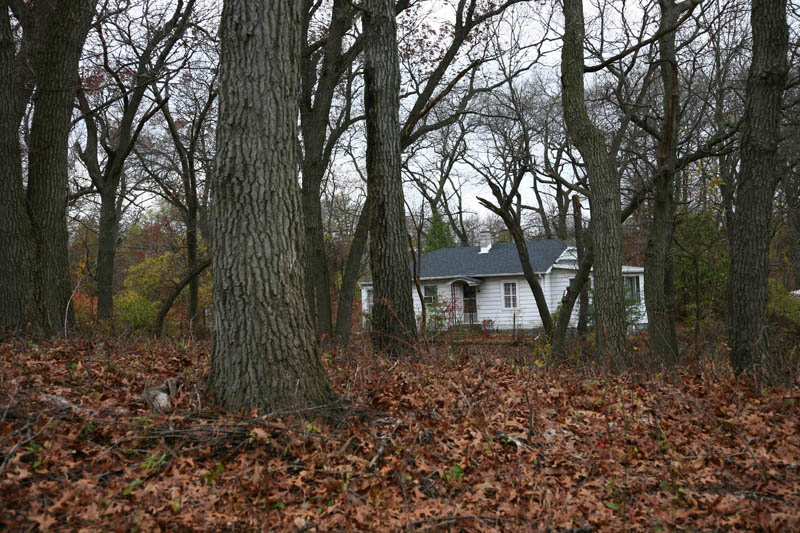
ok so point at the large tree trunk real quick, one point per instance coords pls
(106, 252)
(16, 232)
(393, 320)
(658, 266)
(758, 177)
(605, 201)
(265, 352)
(56, 32)
(344, 313)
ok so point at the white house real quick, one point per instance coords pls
(485, 285)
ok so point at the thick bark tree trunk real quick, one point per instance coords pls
(605, 201)
(393, 321)
(344, 313)
(755, 188)
(106, 253)
(265, 352)
(39, 220)
(658, 283)
(16, 232)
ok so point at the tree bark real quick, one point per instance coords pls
(315, 115)
(317, 282)
(394, 327)
(658, 266)
(265, 352)
(16, 231)
(350, 278)
(106, 252)
(605, 201)
(791, 192)
(37, 263)
(580, 245)
(758, 176)
(191, 261)
(575, 289)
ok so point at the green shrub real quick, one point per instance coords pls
(134, 311)
(702, 261)
(783, 308)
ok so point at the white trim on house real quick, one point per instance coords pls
(511, 296)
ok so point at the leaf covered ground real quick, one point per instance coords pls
(470, 438)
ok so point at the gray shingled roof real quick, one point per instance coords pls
(501, 259)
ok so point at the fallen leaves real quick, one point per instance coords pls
(471, 440)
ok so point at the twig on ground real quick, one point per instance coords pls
(382, 447)
(756, 460)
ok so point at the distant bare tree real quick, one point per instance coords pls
(115, 110)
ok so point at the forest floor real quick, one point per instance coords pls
(469, 438)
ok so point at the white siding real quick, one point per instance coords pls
(559, 281)
(491, 305)
(442, 290)
(452, 307)
(364, 289)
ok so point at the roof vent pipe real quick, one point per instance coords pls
(485, 241)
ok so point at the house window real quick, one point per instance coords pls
(632, 293)
(510, 295)
(368, 301)
(431, 294)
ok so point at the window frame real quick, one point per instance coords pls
(369, 300)
(635, 292)
(434, 298)
(513, 295)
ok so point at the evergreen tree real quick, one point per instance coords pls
(439, 235)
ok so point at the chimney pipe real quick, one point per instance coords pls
(485, 241)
